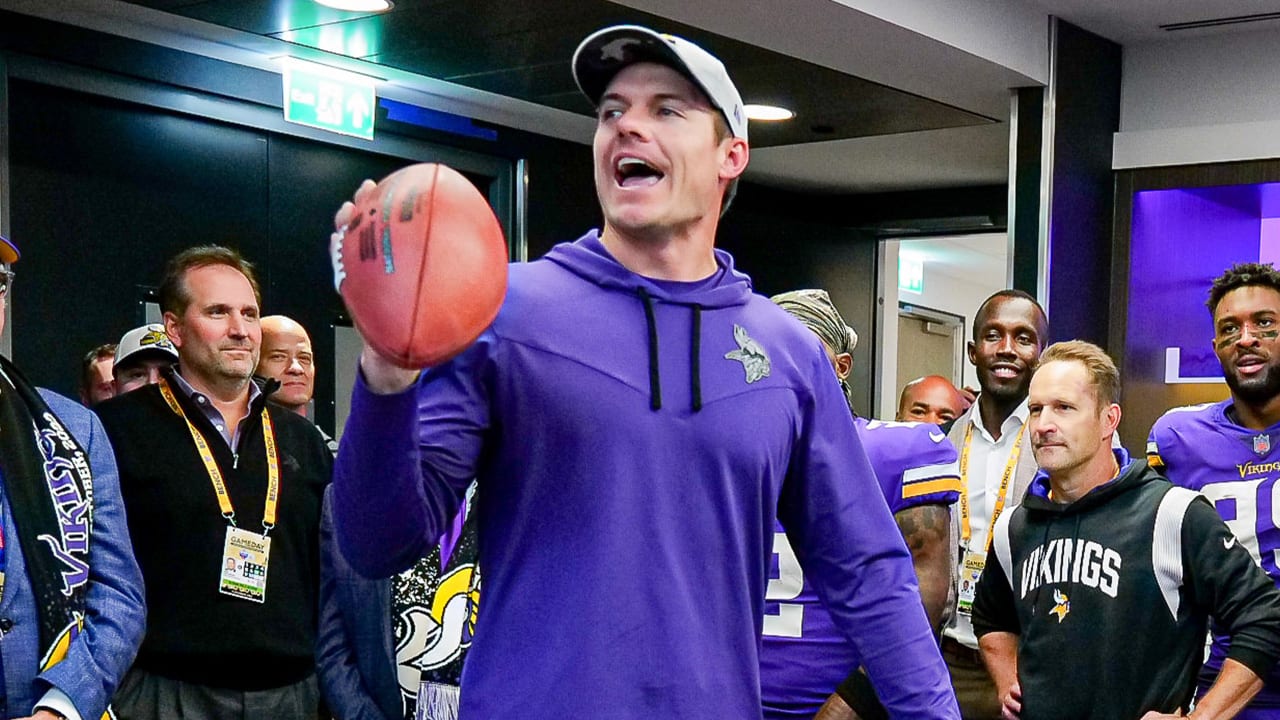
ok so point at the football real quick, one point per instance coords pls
(423, 265)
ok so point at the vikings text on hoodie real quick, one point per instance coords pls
(633, 441)
(1111, 596)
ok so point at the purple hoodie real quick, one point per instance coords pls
(633, 439)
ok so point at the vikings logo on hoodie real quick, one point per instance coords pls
(750, 354)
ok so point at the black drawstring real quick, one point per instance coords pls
(695, 368)
(655, 382)
(695, 349)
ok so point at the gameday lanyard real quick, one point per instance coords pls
(215, 474)
(965, 531)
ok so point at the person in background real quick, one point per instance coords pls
(806, 665)
(1229, 450)
(387, 647)
(142, 354)
(211, 472)
(72, 612)
(930, 399)
(95, 375)
(1099, 586)
(996, 467)
(287, 357)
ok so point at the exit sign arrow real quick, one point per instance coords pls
(321, 97)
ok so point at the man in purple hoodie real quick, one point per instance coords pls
(637, 419)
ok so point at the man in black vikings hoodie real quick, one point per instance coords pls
(1100, 585)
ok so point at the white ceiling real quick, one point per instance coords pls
(975, 259)
(1129, 21)
(956, 157)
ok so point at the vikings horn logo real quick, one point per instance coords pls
(1062, 605)
(440, 633)
(750, 354)
(156, 338)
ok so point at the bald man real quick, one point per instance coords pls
(930, 399)
(287, 357)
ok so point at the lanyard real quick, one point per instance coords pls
(215, 474)
(1005, 479)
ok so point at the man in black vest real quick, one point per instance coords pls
(223, 492)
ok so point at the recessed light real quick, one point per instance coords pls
(768, 113)
(358, 5)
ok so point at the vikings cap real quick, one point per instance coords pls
(149, 339)
(8, 251)
(606, 52)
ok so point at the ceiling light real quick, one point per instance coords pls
(358, 5)
(768, 113)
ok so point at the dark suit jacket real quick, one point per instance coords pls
(355, 649)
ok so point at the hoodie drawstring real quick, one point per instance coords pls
(655, 381)
(695, 362)
(695, 367)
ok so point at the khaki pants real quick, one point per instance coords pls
(974, 688)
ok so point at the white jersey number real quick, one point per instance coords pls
(790, 618)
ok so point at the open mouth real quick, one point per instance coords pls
(1250, 364)
(634, 172)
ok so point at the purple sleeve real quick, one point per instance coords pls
(852, 551)
(405, 461)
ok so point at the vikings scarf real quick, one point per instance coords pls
(49, 489)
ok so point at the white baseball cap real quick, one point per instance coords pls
(606, 52)
(150, 339)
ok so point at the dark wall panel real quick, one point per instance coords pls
(783, 253)
(308, 181)
(1086, 107)
(103, 193)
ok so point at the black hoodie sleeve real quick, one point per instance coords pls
(993, 602)
(1221, 575)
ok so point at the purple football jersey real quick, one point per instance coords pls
(804, 656)
(1200, 448)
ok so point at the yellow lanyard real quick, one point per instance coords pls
(965, 530)
(215, 474)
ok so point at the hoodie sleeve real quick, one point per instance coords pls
(850, 548)
(1221, 574)
(405, 461)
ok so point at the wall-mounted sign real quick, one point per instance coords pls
(319, 96)
(910, 273)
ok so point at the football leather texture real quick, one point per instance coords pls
(426, 265)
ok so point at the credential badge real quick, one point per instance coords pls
(750, 354)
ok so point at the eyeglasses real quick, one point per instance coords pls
(6, 283)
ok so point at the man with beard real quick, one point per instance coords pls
(1228, 450)
(223, 495)
(996, 466)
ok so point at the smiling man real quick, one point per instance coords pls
(287, 358)
(930, 399)
(1229, 450)
(637, 418)
(223, 493)
(1099, 587)
(996, 466)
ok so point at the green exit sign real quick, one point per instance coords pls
(321, 97)
(910, 274)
